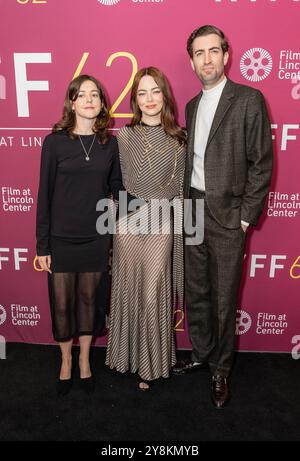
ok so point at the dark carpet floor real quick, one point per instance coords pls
(265, 402)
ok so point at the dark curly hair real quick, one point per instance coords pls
(68, 120)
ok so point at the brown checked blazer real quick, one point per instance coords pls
(238, 157)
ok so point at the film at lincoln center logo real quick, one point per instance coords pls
(243, 322)
(108, 2)
(2, 315)
(256, 64)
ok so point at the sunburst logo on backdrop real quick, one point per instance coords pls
(2, 315)
(256, 64)
(108, 2)
(243, 322)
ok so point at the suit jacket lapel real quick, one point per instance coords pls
(223, 106)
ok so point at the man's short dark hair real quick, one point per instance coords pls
(206, 30)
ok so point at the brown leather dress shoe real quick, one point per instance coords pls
(187, 366)
(219, 391)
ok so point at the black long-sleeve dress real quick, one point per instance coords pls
(69, 190)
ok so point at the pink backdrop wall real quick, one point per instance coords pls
(42, 43)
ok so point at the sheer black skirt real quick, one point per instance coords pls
(75, 303)
(77, 290)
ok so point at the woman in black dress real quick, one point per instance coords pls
(79, 166)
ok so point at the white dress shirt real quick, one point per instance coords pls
(205, 114)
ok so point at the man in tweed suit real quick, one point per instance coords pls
(229, 165)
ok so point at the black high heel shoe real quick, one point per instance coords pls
(63, 387)
(144, 381)
(88, 384)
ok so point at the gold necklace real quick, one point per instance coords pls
(87, 153)
(147, 149)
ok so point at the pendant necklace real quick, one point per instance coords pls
(87, 153)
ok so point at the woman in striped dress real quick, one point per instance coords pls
(148, 264)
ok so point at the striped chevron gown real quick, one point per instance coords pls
(147, 268)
